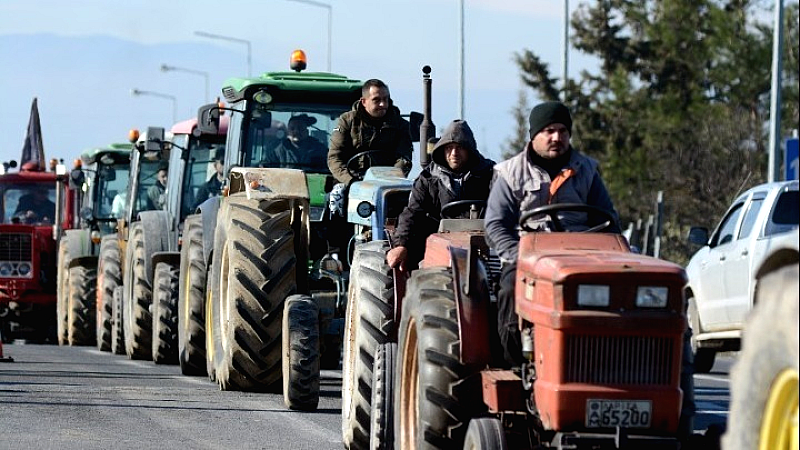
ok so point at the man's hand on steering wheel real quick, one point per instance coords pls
(551, 212)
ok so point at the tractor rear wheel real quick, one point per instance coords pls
(369, 323)
(256, 273)
(165, 314)
(136, 315)
(191, 300)
(381, 436)
(109, 277)
(81, 310)
(62, 292)
(436, 395)
(301, 355)
(485, 433)
(764, 380)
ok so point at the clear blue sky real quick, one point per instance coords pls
(81, 58)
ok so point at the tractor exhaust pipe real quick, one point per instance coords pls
(427, 129)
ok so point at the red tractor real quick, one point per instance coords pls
(28, 202)
(602, 331)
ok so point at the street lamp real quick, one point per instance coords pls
(136, 92)
(233, 39)
(330, 22)
(167, 68)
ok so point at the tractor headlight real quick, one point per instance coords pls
(24, 269)
(593, 295)
(6, 269)
(651, 296)
(364, 209)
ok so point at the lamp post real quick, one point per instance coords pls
(167, 68)
(232, 39)
(136, 92)
(330, 22)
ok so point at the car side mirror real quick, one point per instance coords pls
(698, 236)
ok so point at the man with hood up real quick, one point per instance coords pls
(374, 123)
(457, 172)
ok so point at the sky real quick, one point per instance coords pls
(82, 58)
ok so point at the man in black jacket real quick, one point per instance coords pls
(457, 172)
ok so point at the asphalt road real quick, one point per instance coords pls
(71, 398)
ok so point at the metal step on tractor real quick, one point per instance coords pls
(84, 315)
(273, 316)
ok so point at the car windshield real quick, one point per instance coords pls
(28, 202)
(291, 136)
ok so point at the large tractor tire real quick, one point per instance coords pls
(136, 317)
(256, 273)
(485, 433)
(191, 300)
(764, 380)
(703, 357)
(109, 277)
(369, 322)
(165, 314)
(301, 353)
(62, 292)
(435, 395)
(81, 310)
(117, 326)
(381, 433)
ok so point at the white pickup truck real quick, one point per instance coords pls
(722, 274)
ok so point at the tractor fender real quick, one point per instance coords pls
(79, 244)
(157, 226)
(471, 285)
(169, 257)
(208, 214)
(85, 261)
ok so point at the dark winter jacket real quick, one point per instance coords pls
(437, 185)
(357, 132)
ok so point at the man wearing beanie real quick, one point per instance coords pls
(549, 171)
(457, 172)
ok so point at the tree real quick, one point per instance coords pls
(520, 137)
(679, 103)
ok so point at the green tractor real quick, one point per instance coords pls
(273, 316)
(99, 175)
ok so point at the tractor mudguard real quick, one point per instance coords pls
(79, 244)
(472, 302)
(208, 213)
(155, 228)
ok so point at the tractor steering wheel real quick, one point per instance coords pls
(351, 162)
(447, 209)
(552, 211)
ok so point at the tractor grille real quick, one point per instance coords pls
(15, 247)
(618, 360)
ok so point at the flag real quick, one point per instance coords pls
(33, 149)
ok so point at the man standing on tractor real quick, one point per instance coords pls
(550, 171)
(373, 124)
(457, 172)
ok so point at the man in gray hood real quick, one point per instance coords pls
(457, 172)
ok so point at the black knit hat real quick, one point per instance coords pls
(547, 113)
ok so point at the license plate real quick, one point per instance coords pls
(618, 413)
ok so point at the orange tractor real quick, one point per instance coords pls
(602, 331)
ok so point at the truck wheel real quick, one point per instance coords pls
(764, 380)
(136, 312)
(300, 336)
(703, 357)
(485, 433)
(191, 300)
(165, 314)
(436, 394)
(117, 326)
(62, 292)
(369, 323)
(256, 274)
(381, 436)
(109, 276)
(81, 310)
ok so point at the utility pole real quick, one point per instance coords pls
(774, 149)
